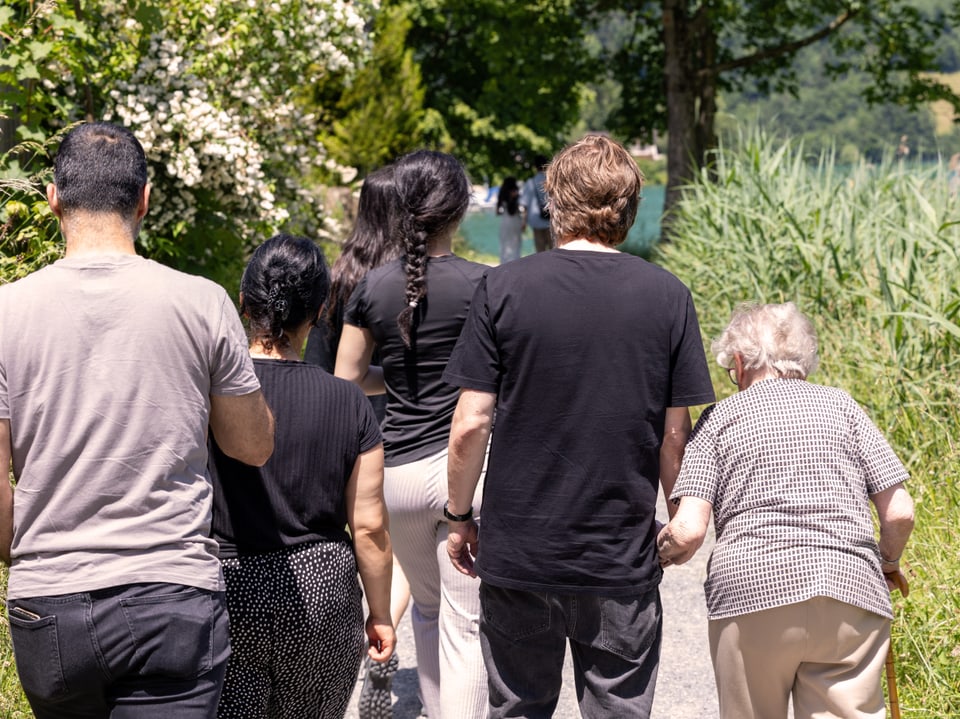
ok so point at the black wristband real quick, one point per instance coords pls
(468, 515)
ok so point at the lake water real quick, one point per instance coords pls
(481, 227)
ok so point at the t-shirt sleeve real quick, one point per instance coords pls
(700, 471)
(369, 428)
(882, 468)
(475, 361)
(356, 312)
(690, 382)
(231, 369)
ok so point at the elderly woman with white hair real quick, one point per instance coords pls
(798, 587)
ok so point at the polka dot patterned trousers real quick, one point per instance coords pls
(296, 632)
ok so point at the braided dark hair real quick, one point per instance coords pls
(283, 286)
(432, 193)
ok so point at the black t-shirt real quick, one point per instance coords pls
(419, 403)
(322, 344)
(322, 425)
(585, 351)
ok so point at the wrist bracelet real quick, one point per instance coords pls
(884, 560)
(466, 516)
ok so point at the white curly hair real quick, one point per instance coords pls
(779, 338)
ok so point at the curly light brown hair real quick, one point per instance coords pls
(594, 191)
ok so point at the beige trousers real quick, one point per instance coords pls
(827, 654)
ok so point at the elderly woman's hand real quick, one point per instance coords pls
(896, 580)
(681, 538)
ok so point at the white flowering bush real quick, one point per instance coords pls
(221, 94)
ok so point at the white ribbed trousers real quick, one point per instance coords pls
(446, 603)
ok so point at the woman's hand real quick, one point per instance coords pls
(681, 538)
(896, 580)
(382, 637)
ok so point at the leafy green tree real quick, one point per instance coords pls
(507, 77)
(215, 93)
(381, 112)
(39, 50)
(831, 114)
(683, 53)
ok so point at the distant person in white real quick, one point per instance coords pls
(536, 205)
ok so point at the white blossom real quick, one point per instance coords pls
(213, 107)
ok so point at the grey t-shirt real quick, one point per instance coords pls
(107, 365)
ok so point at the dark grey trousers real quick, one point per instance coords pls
(137, 651)
(614, 642)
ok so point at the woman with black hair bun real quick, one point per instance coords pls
(296, 613)
(412, 310)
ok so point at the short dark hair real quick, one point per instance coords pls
(283, 286)
(100, 167)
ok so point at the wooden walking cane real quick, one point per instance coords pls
(892, 685)
(899, 582)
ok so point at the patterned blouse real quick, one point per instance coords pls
(789, 467)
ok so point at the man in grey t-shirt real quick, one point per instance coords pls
(112, 368)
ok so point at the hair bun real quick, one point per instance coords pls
(277, 299)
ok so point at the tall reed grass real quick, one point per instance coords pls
(872, 255)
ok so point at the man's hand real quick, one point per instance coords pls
(463, 543)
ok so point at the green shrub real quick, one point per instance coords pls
(29, 233)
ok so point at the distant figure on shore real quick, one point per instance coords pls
(536, 206)
(512, 220)
(953, 175)
(798, 588)
(903, 149)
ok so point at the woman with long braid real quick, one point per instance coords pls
(412, 310)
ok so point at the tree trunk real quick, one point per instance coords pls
(689, 53)
(706, 42)
(679, 81)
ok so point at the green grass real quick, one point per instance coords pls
(13, 704)
(872, 255)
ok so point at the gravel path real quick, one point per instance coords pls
(685, 688)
